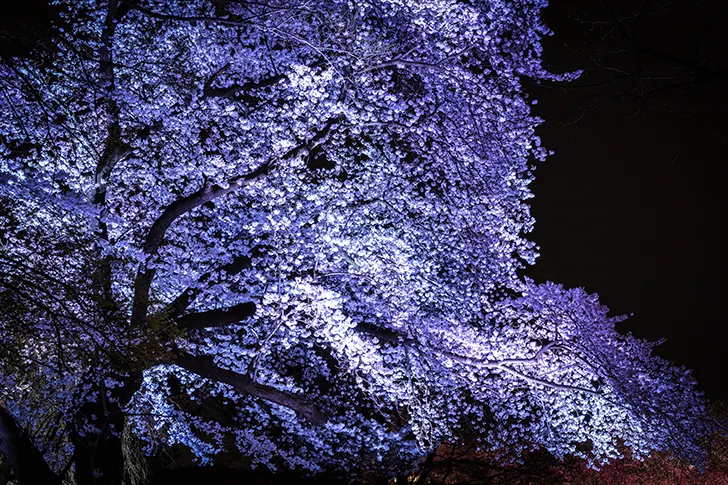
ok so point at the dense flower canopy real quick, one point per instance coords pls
(294, 228)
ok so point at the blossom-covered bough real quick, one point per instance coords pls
(293, 228)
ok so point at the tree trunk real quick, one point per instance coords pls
(21, 455)
(98, 455)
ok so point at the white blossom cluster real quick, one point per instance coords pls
(356, 169)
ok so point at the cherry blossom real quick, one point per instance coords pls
(298, 225)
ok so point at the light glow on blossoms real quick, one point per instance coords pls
(295, 230)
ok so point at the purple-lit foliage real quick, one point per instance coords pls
(294, 228)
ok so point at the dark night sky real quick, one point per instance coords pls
(630, 204)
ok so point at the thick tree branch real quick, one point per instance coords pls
(23, 458)
(205, 367)
(384, 334)
(113, 147)
(217, 318)
(155, 236)
(203, 18)
(183, 301)
(212, 92)
(156, 233)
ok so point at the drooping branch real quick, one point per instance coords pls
(477, 361)
(392, 336)
(548, 383)
(217, 318)
(205, 367)
(23, 458)
(506, 365)
(499, 364)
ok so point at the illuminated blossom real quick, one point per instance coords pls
(309, 214)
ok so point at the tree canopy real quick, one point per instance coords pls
(294, 229)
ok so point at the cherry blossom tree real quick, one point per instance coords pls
(294, 229)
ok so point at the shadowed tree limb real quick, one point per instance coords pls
(202, 18)
(183, 301)
(217, 318)
(205, 367)
(155, 236)
(23, 458)
(209, 91)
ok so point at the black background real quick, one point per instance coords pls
(630, 205)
